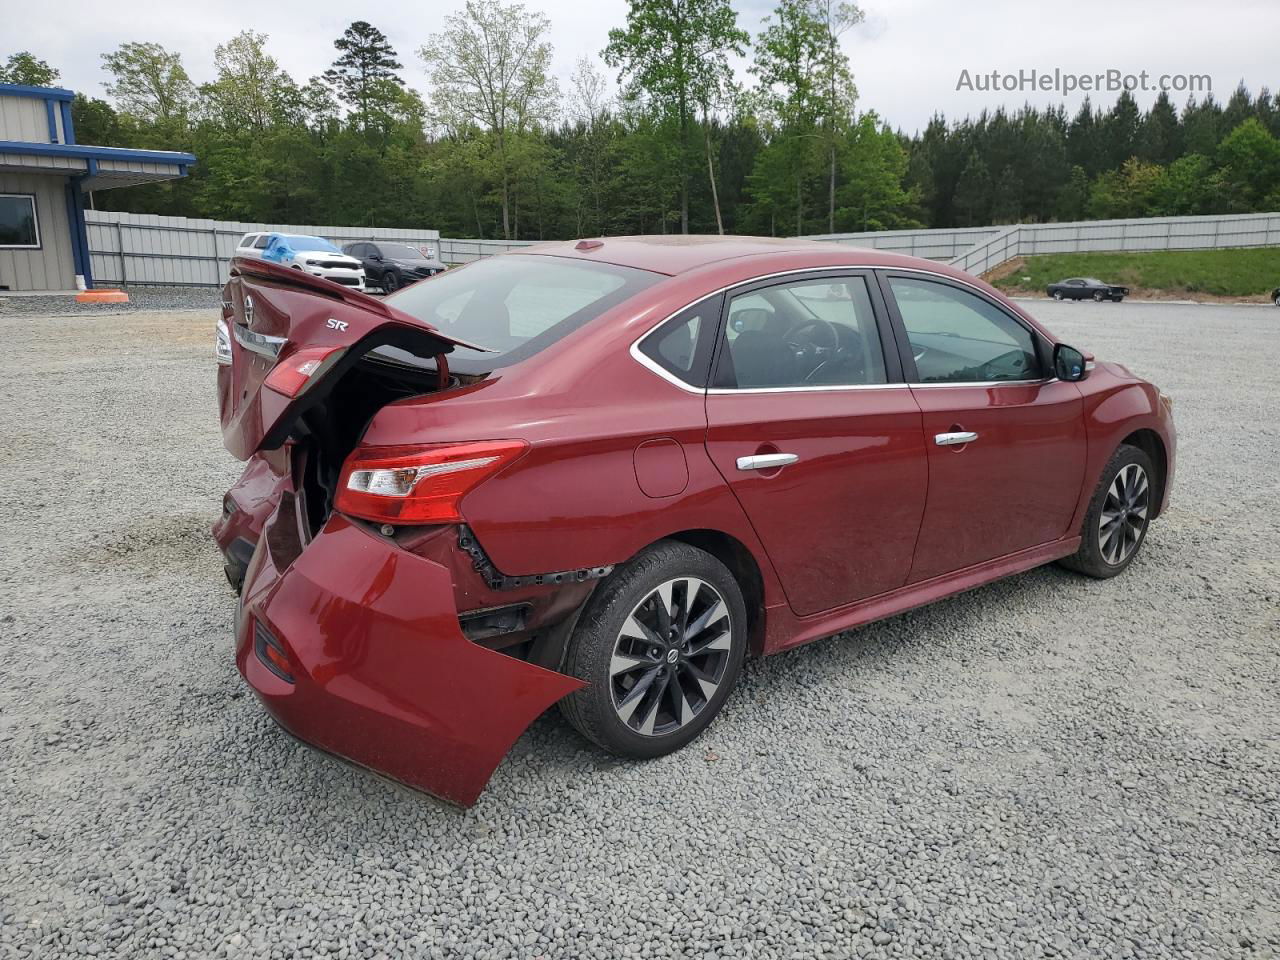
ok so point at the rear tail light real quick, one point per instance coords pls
(271, 652)
(292, 375)
(222, 344)
(419, 484)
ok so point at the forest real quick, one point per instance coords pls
(656, 135)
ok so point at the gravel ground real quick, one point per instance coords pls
(141, 299)
(1046, 766)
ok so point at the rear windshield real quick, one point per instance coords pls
(516, 305)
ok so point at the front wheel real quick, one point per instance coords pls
(660, 644)
(1115, 525)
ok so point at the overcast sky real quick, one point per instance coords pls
(907, 57)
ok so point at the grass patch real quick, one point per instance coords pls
(1221, 273)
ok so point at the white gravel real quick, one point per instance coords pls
(1047, 766)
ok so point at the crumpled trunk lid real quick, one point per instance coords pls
(272, 313)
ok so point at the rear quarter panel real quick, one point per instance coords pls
(586, 407)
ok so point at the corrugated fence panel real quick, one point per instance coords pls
(147, 249)
(133, 248)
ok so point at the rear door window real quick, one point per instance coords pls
(803, 333)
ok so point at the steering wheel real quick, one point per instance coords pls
(811, 354)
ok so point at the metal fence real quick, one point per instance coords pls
(1151, 233)
(135, 248)
(946, 244)
(130, 248)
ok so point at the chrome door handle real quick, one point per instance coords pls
(766, 461)
(954, 439)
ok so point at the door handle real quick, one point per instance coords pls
(954, 439)
(766, 461)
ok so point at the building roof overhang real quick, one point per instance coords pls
(96, 168)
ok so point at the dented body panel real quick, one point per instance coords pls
(423, 652)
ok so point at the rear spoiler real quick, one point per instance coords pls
(288, 276)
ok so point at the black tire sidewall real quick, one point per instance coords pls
(590, 647)
(1089, 559)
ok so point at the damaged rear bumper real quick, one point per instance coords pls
(353, 645)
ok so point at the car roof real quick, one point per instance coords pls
(674, 254)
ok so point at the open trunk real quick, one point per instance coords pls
(313, 362)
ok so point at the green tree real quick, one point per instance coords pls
(1188, 187)
(973, 192)
(490, 69)
(1073, 196)
(23, 68)
(1160, 136)
(839, 94)
(674, 54)
(873, 166)
(1250, 160)
(250, 88)
(788, 64)
(149, 83)
(365, 73)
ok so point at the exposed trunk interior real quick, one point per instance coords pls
(330, 429)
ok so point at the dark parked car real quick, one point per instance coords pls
(1085, 288)
(668, 455)
(392, 265)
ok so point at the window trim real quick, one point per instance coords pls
(35, 220)
(710, 331)
(880, 272)
(1039, 342)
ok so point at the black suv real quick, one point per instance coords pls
(392, 265)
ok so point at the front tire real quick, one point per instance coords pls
(1119, 515)
(390, 282)
(661, 644)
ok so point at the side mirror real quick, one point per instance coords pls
(1069, 363)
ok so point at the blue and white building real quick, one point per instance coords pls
(44, 177)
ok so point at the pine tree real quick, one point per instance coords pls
(365, 72)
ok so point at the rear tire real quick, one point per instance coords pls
(1278, 299)
(1057, 294)
(659, 662)
(390, 282)
(1119, 515)
(1099, 297)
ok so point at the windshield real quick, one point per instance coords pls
(311, 243)
(400, 251)
(516, 305)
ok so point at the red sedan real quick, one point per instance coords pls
(602, 474)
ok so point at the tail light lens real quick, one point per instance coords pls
(222, 344)
(292, 375)
(419, 484)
